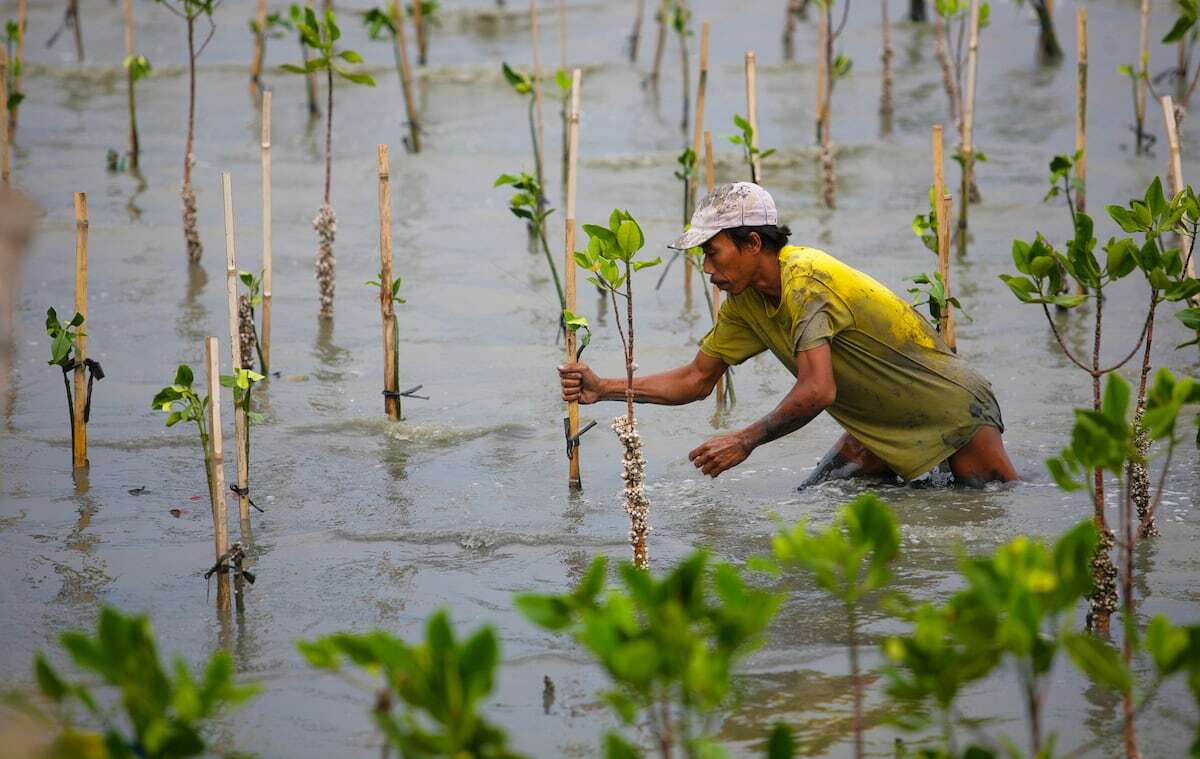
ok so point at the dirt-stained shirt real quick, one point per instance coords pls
(900, 390)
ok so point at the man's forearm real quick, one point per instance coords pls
(671, 388)
(793, 412)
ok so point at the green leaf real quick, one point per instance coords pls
(183, 375)
(293, 69)
(49, 683)
(616, 747)
(349, 56)
(781, 744)
(1098, 660)
(549, 612)
(355, 78)
(639, 265)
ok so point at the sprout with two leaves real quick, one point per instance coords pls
(182, 403)
(749, 149)
(242, 383)
(319, 35)
(611, 259)
(526, 204)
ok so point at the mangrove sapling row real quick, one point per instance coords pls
(320, 36)
(190, 11)
(137, 67)
(392, 19)
(1108, 440)
(1042, 270)
(611, 257)
(830, 69)
(242, 383)
(161, 713)
(524, 204)
(669, 645)
(849, 560)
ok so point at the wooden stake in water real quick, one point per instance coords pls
(266, 231)
(752, 117)
(4, 167)
(387, 307)
(714, 302)
(939, 179)
(79, 457)
(235, 350)
(216, 458)
(968, 122)
(401, 51)
(574, 479)
(946, 323)
(1175, 177)
(697, 138)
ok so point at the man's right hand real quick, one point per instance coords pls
(579, 383)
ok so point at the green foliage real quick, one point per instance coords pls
(242, 383)
(960, 9)
(687, 165)
(180, 401)
(524, 203)
(1188, 11)
(669, 645)
(521, 82)
(376, 20)
(138, 67)
(681, 15)
(619, 242)
(395, 289)
(842, 64)
(924, 226)
(190, 9)
(12, 36)
(851, 557)
(320, 36)
(276, 26)
(441, 684)
(62, 336)
(746, 140)
(930, 290)
(1061, 170)
(574, 323)
(253, 283)
(161, 715)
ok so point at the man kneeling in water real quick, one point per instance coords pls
(857, 350)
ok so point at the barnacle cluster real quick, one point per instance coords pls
(1104, 597)
(633, 472)
(191, 231)
(326, 226)
(828, 180)
(246, 332)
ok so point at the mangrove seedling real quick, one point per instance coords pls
(264, 27)
(161, 714)
(1049, 51)
(71, 18)
(930, 290)
(525, 204)
(668, 645)
(746, 141)
(951, 30)
(849, 559)
(1185, 32)
(523, 84)
(248, 302)
(1139, 80)
(681, 16)
(13, 47)
(424, 14)
(377, 20)
(137, 67)
(574, 323)
(320, 36)
(62, 354)
(242, 383)
(182, 404)
(190, 11)
(562, 78)
(830, 70)
(610, 256)
(438, 685)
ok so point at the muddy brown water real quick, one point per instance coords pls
(463, 504)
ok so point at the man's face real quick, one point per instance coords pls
(729, 267)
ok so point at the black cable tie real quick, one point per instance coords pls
(573, 440)
(409, 393)
(245, 493)
(232, 557)
(95, 372)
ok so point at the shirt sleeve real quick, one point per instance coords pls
(731, 340)
(817, 314)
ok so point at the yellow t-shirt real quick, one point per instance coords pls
(901, 392)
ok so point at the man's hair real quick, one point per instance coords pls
(773, 237)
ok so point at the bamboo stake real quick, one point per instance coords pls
(1142, 65)
(1175, 177)
(401, 50)
(635, 35)
(715, 298)
(216, 458)
(260, 42)
(537, 100)
(387, 307)
(968, 122)
(134, 146)
(697, 138)
(752, 117)
(574, 479)
(4, 159)
(661, 41)
(946, 323)
(418, 16)
(939, 177)
(235, 350)
(12, 117)
(79, 437)
(266, 231)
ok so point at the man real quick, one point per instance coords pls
(857, 350)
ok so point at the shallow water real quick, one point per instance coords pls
(464, 503)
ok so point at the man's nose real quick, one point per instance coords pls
(707, 266)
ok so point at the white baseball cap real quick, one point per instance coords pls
(741, 204)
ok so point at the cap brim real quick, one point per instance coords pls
(694, 237)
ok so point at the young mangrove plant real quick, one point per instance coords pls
(750, 149)
(669, 645)
(160, 713)
(427, 696)
(320, 36)
(248, 303)
(242, 383)
(681, 17)
(182, 404)
(953, 27)
(611, 258)
(264, 26)
(525, 204)
(1042, 272)
(191, 11)
(849, 559)
(14, 47)
(71, 18)
(930, 289)
(424, 15)
(391, 19)
(137, 67)
(62, 354)
(1049, 51)
(523, 84)
(1107, 439)
(830, 69)
(1185, 33)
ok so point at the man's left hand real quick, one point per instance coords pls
(721, 453)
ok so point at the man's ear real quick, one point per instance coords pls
(756, 243)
